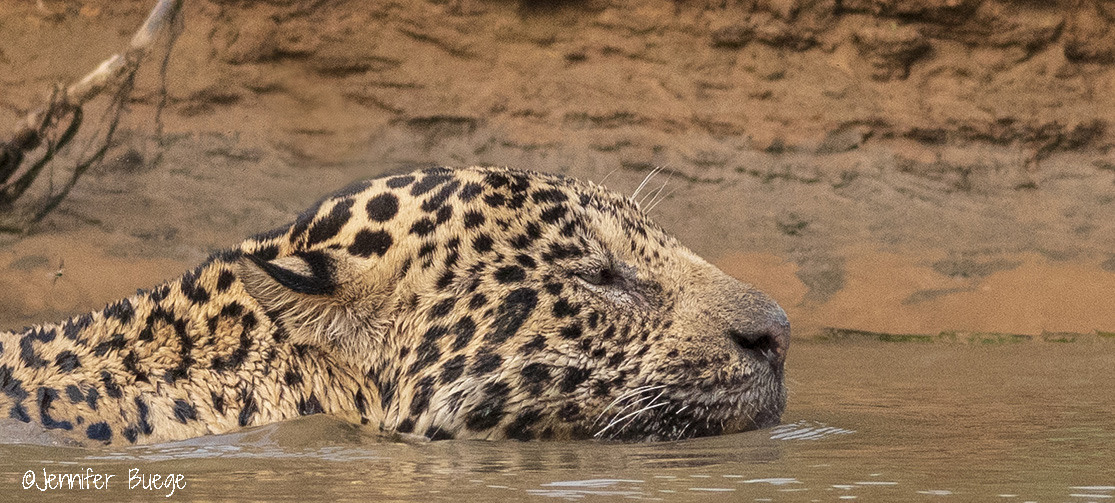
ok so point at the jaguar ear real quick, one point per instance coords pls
(325, 298)
(307, 273)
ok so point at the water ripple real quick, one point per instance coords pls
(806, 430)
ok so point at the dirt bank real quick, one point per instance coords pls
(893, 165)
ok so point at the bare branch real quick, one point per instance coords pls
(111, 69)
(65, 108)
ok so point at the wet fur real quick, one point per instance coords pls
(445, 303)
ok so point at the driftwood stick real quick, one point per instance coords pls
(66, 102)
(112, 68)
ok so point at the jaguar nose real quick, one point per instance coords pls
(766, 339)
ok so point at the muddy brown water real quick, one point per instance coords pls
(866, 421)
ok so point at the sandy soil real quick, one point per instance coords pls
(890, 165)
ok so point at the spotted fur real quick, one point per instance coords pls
(469, 303)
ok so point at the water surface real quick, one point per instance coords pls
(866, 421)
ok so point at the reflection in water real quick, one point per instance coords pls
(868, 422)
(576, 489)
(806, 430)
(777, 481)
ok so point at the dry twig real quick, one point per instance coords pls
(39, 129)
